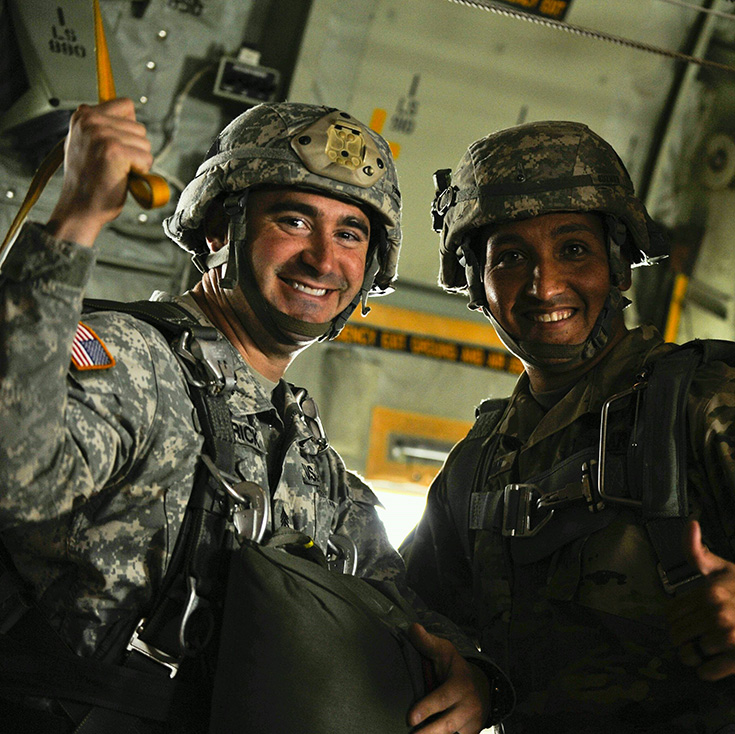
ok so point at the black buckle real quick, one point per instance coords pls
(526, 511)
(671, 587)
(446, 196)
(522, 515)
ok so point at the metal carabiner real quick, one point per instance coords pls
(252, 511)
(345, 554)
(198, 605)
(213, 356)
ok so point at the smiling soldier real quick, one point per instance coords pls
(566, 529)
(172, 444)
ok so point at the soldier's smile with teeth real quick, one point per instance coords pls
(547, 278)
(308, 251)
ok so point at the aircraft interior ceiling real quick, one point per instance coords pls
(654, 77)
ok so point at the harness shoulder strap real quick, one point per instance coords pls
(663, 453)
(466, 474)
(157, 645)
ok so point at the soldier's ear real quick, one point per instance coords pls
(215, 226)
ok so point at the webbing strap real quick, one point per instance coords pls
(195, 568)
(149, 190)
(664, 440)
(69, 677)
(659, 464)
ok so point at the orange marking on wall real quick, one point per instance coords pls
(378, 120)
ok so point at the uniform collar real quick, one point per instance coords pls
(530, 423)
(250, 394)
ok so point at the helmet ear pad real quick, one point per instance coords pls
(215, 224)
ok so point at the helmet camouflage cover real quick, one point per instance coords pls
(292, 144)
(528, 170)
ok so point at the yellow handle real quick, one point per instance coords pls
(149, 190)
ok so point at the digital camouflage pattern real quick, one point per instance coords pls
(533, 169)
(585, 639)
(269, 144)
(96, 466)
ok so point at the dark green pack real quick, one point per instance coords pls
(305, 649)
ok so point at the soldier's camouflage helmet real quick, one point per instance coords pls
(291, 144)
(307, 146)
(525, 171)
(532, 169)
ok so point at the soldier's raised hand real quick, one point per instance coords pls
(104, 143)
(703, 619)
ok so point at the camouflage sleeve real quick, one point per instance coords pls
(66, 435)
(436, 566)
(41, 293)
(711, 466)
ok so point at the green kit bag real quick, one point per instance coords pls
(305, 649)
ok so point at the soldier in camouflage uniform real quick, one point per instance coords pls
(540, 225)
(97, 459)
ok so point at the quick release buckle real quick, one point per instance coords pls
(251, 511)
(213, 355)
(152, 653)
(526, 511)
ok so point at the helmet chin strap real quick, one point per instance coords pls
(556, 357)
(239, 272)
(561, 357)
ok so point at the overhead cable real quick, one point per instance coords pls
(588, 33)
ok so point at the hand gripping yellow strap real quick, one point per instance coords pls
(149, 191)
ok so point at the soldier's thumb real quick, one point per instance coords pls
(699, 555)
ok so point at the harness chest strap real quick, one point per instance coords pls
(658, 454)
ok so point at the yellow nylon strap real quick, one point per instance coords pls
(671, 330)
(148, 190)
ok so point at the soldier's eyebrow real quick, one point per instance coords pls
(572, 227)
(288, 205)
(495, 239)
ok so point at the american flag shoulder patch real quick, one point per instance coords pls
(88, 351)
